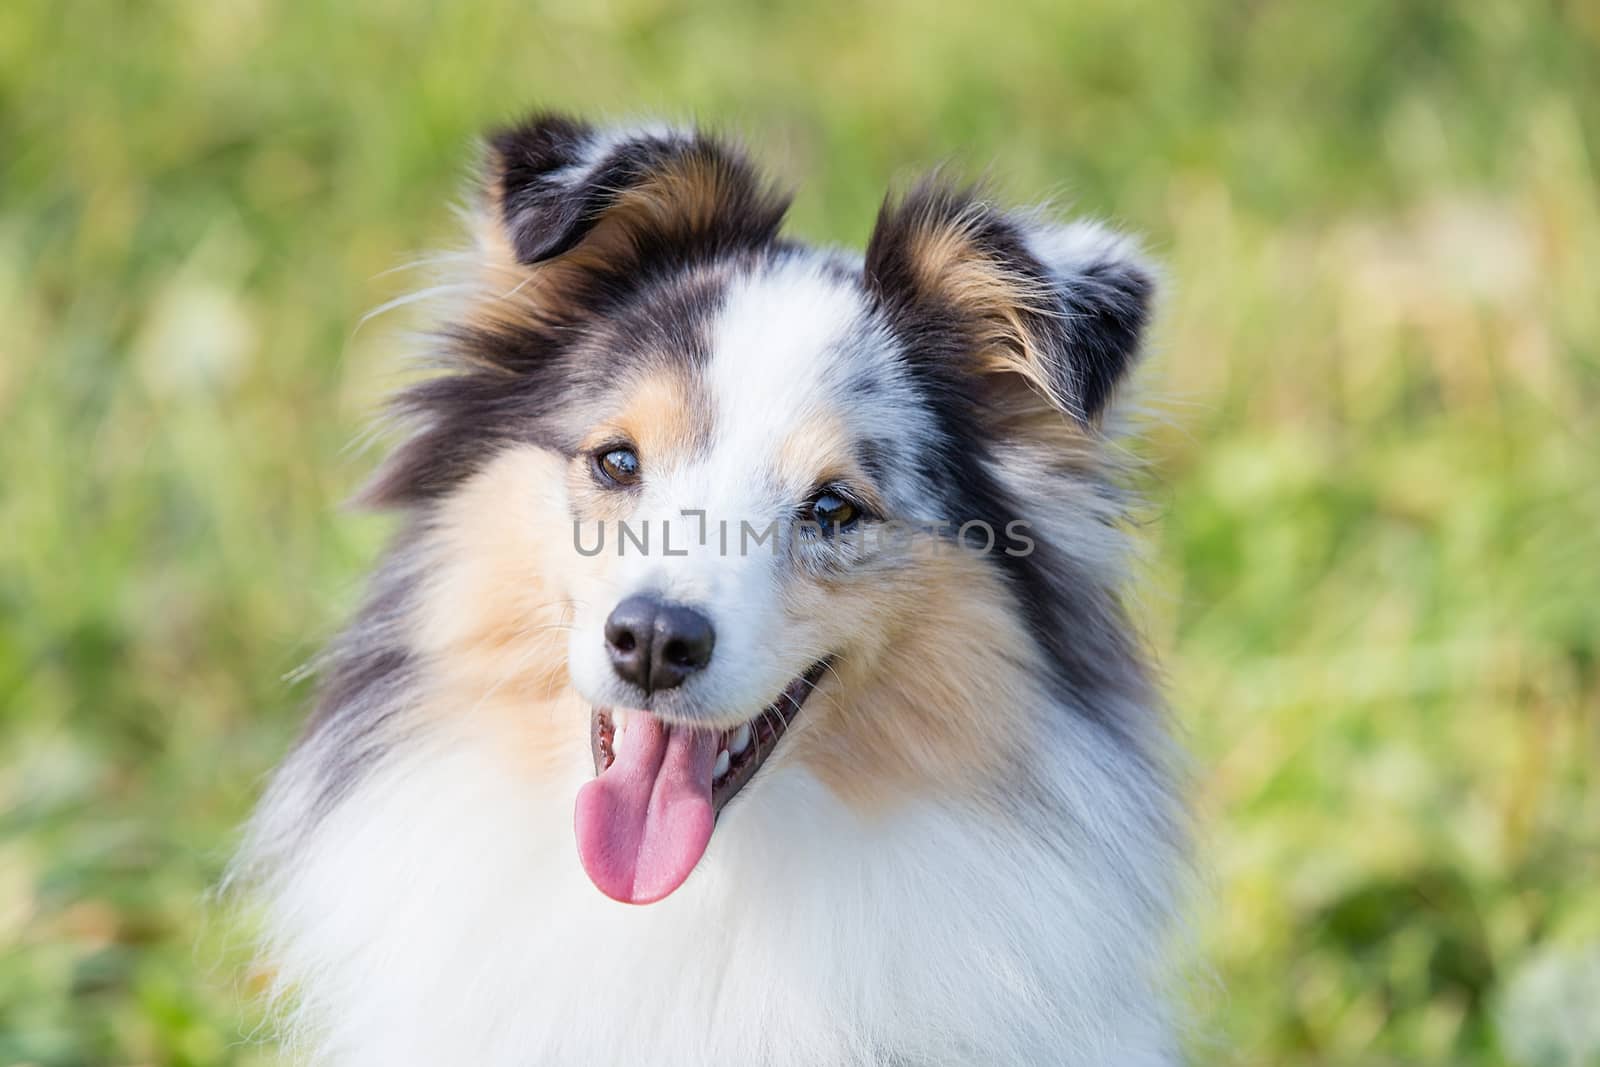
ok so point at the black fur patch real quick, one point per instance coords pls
(1085, 328)
(1075, 618)
(506, 382)
(1107, 305)
(558, 178)
(1091, 338)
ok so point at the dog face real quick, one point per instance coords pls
(754, 469)
(761, 507)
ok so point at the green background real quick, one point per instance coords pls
(1375, 453)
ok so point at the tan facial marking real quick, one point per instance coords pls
(821, 451)
(664, 413)
(943, 698)
(492, 620)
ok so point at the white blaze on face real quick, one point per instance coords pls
(774, 366)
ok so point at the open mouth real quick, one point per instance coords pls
(644, 820)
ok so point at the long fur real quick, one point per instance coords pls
(968, 849)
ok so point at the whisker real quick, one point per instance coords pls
(779, 724)
(410, 298)
(827, 665)
(433, 260)
(514, 290)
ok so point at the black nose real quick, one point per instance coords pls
(656, 645)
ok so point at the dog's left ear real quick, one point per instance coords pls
(1060, 307)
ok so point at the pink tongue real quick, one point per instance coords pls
(644, 823)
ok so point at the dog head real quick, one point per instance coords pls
(761, 506)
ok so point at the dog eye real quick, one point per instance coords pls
(617, 466)
(832, 512)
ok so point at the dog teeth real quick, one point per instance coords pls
(740, 740)
(722, 764)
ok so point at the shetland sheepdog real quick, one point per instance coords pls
(749, 680)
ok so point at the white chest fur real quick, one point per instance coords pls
(439, 916)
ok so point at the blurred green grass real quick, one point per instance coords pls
(1376, 490)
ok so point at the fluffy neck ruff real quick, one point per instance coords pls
(435, 911)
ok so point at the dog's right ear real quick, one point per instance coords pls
(621, 202)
